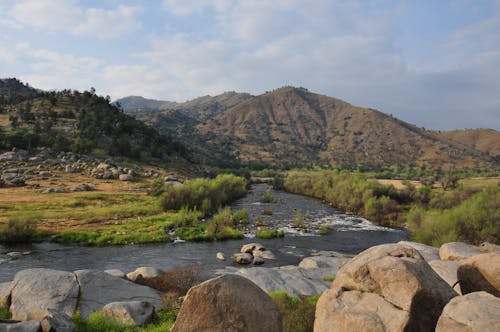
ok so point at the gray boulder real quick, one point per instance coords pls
(387, 288)
(98, 289)
(480, 273)
(36, 290)
(55, 321)
(15, 326)
(317, 262)
(144, 272)
(125, 177)
(133, 312)
(5, 289)
(474, 312)
(447, 270)
(455, 251)
(228, 303)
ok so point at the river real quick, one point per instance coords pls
(349, 234)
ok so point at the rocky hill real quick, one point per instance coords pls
(81, 122)
(292, 127)
(484, 140)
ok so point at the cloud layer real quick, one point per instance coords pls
(352, 50)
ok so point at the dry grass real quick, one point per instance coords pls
(398, 184)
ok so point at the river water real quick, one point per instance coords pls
(349, 234)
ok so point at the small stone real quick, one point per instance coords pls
(220, 256)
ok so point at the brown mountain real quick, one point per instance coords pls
(294, 127)
(484, 140)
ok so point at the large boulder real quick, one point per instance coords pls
(429, 253)
(5, 289)
(387, 288)
(144, 272)
(455, 251)
(36, 290)
(447, 270)
(133, 312)
(489, 247)
(55, 321)
(228, 303)
(474, 312)
(480, 273)
(98, 288)
(14, 326)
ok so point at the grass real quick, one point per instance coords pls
(297, 312)
(19, 228)
(267, 233)
(4, 313)
(328, 278)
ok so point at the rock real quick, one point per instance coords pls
(116, 273)
(455, 251)
(220, 256)
(317, 262)
(171, 178)
(266, 254)
(258, 260)
(228, 303)
(474, 312)
(388, 287)
(144, 272)
(125, 177)
(242, 258)
(98, 289)
(14, 155)
(55, 321)
(36, 290)
(429, 253)
(54, 190)
(71, 169)
(13, 326)
(5, 289)
(250, 247)
(83, 187)
(133, 312)
(489, 247)
(480, 273)
(447, 270)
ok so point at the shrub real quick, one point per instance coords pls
(266, 233)
(240, 217)
(200, 232)
(19, 228)
(298, 220)
(297, 312)
(187, 217)
(4, 313)
(267, 197)
(324, 229)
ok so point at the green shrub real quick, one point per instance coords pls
(267, 197)
(223, 217)
(240, 217)
(298, 220)
(329, 278)
(266, 233)
(19, 228)
(324, 229)
(4, 313)
(378, 209)
(196, 233)
(187, 217)
(162, 321)
(297, 312)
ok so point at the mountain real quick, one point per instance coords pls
(292, 127)
(484, 140)
(138, 103)
(81, 122)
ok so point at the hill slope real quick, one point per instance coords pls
(79, 122)
(484, 140)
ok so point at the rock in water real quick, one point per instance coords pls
(242, 258)
(36, 290)
(98, 289)
(144, 272)
(220, 256)
(228, 303)
(133, 312)
(480, 273)
(455, 251)
(385, 288)
(474, 312)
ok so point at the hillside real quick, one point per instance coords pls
(484, 140)
(78, 122)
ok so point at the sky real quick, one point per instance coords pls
(432, 63)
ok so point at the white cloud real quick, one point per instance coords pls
(187, 7)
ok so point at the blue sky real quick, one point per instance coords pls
(432, 63)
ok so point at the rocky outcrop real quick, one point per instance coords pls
(454, 251)
(133, 312)
(447, 270)
(489, 247)
(474, 312)
(228, 303)
(480, 273)
(98, 289)
(36, 290)
(254, 253)
(5, 289)
(55, 321)
(429, 253)
(386, 288)
(243, 258)
(144, 272)
(14, 326)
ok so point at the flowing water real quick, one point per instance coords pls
(349, 234)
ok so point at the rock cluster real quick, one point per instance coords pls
(254, 253)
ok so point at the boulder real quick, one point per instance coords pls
(447, 270)
(480, 273)
(133, 312)
(264, 254)
(243, 258)
(389, 287)
(116, 273)
(98, 289)
(250, 247)
(144, 272)
(474, 312)
(429, 253)
(5, 289)
(318, 262)
(228, 303)
(83, 187)
(55, 321)
(125, 177)
(489, 247)
(36, 290)
(54, 190)
(257, 260)
(455, 251)
(15, 326)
